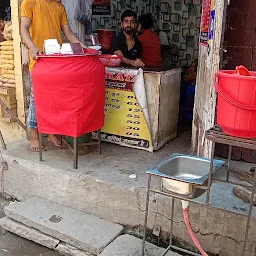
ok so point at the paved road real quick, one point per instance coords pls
(12, 245)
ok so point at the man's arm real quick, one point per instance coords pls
(124, 60)
(71, 37)
(135, 63)
(25, 35)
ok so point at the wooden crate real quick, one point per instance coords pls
(8, 96)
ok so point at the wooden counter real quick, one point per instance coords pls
(162, 89)
(163, 94)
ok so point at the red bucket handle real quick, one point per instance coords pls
(231, 101)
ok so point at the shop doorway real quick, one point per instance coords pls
(178, 25)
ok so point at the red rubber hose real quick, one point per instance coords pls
(191, 233)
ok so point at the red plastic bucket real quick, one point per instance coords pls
(105, 36)
(236, 109)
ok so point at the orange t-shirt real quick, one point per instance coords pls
(47, 18)
(151, 51)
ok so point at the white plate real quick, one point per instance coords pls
(95, 47)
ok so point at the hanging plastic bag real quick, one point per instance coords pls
(83, 14)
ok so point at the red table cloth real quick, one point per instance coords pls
(69, 95)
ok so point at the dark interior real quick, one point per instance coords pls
(3, 5)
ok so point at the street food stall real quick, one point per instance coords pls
(159, 89)
(141, 106)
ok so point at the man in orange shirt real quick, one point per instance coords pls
(151, 45)
(42, 20)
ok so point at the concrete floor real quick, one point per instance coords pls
(102, 187)
(117, 163)
(12, 245)
(114, 165)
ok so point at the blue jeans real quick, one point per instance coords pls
(32, 122)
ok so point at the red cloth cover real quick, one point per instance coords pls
(69, 95)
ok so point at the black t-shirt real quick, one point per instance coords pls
(119, 44)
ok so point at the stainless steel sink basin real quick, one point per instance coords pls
(183, 174)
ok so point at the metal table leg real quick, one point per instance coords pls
(172, 220)
(210, 174)
(75, 148)
(99, 141)
(61, 141)
(40, 147)
(229, 159)
(249, 215)
(146, 215)
(171, 229)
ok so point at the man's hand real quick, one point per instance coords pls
(138, 63)
(83, 46)
(71, 37)
(34, 52)
(135, 63)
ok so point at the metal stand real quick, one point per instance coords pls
(215, 135)
(173, 196)
(74, 148)
(146, 215)
(99, 141)
(40, 147)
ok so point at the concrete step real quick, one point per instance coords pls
(28, 233)
(76, 228)
(38, 237)
(127, 245)
(68, 250)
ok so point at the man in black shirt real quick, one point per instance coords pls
(126, 43)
